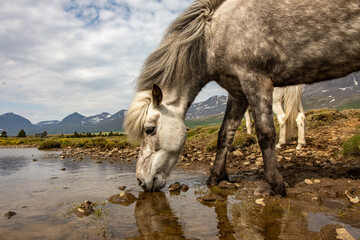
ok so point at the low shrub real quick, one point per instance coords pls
(50, 144)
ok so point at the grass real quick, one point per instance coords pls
(351, 147)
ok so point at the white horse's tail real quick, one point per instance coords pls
(292, 99)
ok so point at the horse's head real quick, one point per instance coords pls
(162, 132)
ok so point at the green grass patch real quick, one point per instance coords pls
(351, 147)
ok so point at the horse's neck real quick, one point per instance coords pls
(181, 99)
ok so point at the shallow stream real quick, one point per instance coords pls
(42, 189)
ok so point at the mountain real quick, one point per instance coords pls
(343, 93)
(340, 93)
(13, 123)
(212, 106)
(103, 122)
(46, 123)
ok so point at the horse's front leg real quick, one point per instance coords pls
(258, 91)
(235, 109)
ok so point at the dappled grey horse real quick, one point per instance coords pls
(247, 47)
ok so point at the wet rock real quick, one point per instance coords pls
(174, 187)
(334, 232)
(122, 188)
(9, 214)
(211, 197)
(228, 185)
(85, 209)
(184, 187)
(352, 196)
(124, 198)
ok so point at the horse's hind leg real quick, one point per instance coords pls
(248, 121)
(279, 112)
(300, 121)
(258, 91)
(235, 109)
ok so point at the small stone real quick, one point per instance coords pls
(85, 209)
(317, 181)
(353, 199)
(246, 163)
(62, 169)
(308, 181)
(184, 187)
(260, 201)
(174, 187)
(211, 197)
(9, 214)
(35, 160)
(124, 198)
(122, 188)
(237, 153)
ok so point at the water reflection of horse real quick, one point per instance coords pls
(293, 112)
(247, 47)
(156, 220)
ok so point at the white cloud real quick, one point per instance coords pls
(77, 55)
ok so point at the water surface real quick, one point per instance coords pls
(34, 185)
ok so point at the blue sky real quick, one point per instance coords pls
(63, 56)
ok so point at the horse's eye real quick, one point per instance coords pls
(150, 130)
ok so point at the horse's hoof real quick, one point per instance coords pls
(215, 180)
(264, 189)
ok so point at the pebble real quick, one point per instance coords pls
(211, 197)
(184, 187)
(124, 198)
(260, 201)
(85, 209)
(174, 187)
(62, 169)
(122, 188)
(308, 181)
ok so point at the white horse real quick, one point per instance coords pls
(291, 97)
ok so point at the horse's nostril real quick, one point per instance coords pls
(139, 181)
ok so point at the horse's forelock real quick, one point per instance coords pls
(136, 115)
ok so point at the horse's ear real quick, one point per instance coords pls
(157, 94)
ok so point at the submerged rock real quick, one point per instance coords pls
(85, 209)
(124, 198)
(228, 185)
(9, 214)
(211, 197)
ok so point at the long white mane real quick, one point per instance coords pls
(136, 115)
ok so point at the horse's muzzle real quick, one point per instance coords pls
(151, 185)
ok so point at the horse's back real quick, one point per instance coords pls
(291, 41)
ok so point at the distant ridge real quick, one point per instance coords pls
(341, 94)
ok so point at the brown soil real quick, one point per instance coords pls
(312, 174)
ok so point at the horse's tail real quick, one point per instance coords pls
(292, 100)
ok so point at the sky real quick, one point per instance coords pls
(63, 56)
